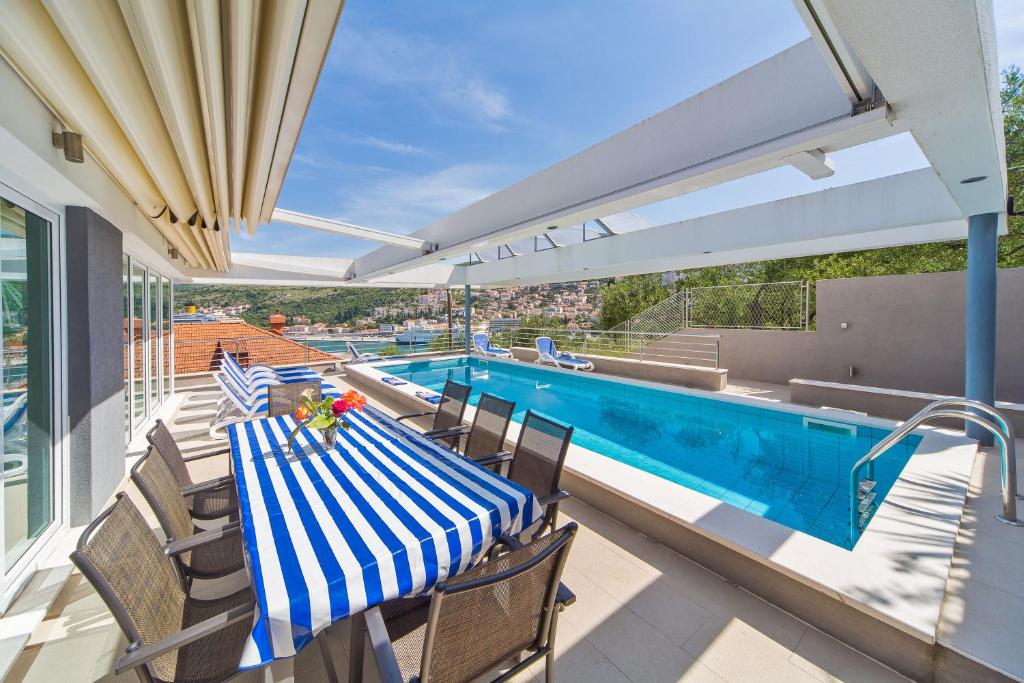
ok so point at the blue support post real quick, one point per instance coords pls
(980, 352)
(468, 303)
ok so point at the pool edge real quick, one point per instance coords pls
(893, 575)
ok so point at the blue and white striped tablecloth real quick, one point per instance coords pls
(386, 513)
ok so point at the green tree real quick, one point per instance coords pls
(623, 299)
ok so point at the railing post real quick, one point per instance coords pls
(718, 352)
(686, 308)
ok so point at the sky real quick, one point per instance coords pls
(424, 108)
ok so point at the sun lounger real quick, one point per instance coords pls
(548, 353)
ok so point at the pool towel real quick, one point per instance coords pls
(393, 381)
(429, 397)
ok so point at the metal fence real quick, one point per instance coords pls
(762, 306)
(689, 349)
(194, 356)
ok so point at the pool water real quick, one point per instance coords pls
(767, 462)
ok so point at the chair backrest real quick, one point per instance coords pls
(160, 489)
(545, 346)
(243, 382)
(490, 425)
(285, 399)
(123, 560)
(452, 406)
(481, 341)
(238, 400)
(353, 351)
(494, 611)
(163, 442)
(540, 453)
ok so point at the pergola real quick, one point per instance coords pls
(870, 69)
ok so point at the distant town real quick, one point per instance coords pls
(573, 304)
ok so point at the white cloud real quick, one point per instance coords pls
(379, 143)
(434, 73)
(409, 202)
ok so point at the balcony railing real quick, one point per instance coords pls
(688, 349)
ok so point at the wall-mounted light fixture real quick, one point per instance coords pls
(173, 253)
(71, 143)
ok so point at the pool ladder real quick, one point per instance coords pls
(862, 490)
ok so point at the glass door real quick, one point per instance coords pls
(139, 345)
(27, 382)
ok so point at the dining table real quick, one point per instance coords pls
(330, 531)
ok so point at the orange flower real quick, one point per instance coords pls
(354, 399)
(302, 413)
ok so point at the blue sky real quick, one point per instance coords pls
(423, 108)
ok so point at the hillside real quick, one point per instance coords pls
(331, 306)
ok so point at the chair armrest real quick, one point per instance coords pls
(219, 451)
(383, 650)
(412, 415)
(147, 653)
(544, 501)
(564, 597)
(445, 433)
(212, 484)
(493, 458)
(202, 538)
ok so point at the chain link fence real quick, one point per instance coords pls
(767, 306)
(762, 306)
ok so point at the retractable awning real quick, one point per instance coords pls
(193, 107)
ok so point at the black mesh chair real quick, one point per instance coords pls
(537, 463)
(206, 500)
(285, 399)
(172, 636)
(485, 440)
(199, 553)
(448, 416)
(474, 622)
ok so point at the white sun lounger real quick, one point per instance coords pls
(547, 353)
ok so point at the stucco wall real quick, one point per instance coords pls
(95, 361)
(903, 332)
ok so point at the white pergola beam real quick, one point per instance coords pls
(936, 65)
(901, 209)
(847, 69)
(749, 123)
(347, 229)
(315, 271)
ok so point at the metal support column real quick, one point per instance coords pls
(980, 351)
(468, 303)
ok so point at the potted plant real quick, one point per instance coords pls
(327, 415)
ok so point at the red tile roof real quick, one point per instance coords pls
(199, 347)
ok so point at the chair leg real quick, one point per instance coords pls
(549, 658)
(357, 624)
(325, 652)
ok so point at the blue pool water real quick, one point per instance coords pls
(764, 461)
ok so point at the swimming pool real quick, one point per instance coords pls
(776, 464)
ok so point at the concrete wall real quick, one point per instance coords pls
(692, 376)
(903, 332)
(95, 361)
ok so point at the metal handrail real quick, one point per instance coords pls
(694, 348)
(940, 410)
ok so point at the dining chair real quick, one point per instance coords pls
(486, 436)
(474, 622)
(219, 550)
(450, 410)
(536, 463)
(172, 635)
(211, 499)
(285, 399)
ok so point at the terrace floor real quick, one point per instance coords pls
(644, 612)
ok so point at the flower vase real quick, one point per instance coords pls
(330, 436)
